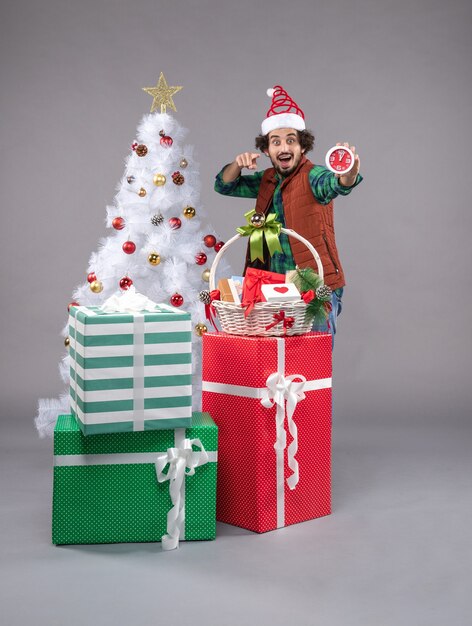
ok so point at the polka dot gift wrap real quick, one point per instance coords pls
(106, 489)
(274, 469)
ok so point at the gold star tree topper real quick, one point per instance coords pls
(162, 95)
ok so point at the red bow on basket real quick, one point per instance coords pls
(308, 296)
(288, 322)
(210, 310)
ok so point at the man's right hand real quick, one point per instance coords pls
(233, 170)
(247, 159)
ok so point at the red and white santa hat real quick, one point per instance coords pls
(283, 113)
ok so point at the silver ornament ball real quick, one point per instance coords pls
(258, 220)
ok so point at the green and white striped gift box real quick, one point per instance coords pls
(130, 371)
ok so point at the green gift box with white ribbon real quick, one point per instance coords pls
(130, 370)
(135, 486)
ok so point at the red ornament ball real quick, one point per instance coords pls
(129, 247)
(175, 222)
(166, 141)
(72, 304)
(219, 245)
(91, 277)
(209, 241)
(201, 258)
(118, 223)
(176, 300)
(125, 283)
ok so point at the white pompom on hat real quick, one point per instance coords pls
(283, 113)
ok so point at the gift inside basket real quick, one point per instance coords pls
(277, 319)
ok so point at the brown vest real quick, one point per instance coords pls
(307, 217)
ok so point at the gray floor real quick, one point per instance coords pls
(396, 550)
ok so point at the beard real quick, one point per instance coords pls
(286, 171)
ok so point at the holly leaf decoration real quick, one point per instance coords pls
(307, 279)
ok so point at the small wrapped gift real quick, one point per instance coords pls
(224, 288)
(253, 281)
(283, 292)
(236, 286)
(158, 485)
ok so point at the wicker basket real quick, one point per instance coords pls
(231, 314)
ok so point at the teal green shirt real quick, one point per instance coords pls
(324, 184)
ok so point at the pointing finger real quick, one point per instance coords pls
(247, 159)
(254, 157)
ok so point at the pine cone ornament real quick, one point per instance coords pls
(323, 293)
(141, 150)
(178, 178)
(204, 296)
(157, 219)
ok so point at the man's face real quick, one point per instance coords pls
(284, 150)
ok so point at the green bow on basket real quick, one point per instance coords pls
(260, 226)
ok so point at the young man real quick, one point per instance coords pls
(300, 193)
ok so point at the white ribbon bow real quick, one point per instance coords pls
(182, 462)
(130, 301)
(280, 388)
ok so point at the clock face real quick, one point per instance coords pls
(339, 160)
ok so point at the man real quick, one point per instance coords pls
(300, 193)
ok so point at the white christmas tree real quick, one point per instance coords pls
(157, 243)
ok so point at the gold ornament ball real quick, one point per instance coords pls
(183, 163)
(67, 342)
(96, 286)
(206, 275)
(200, 329)
(142, 192)
(154, 258)
(189, 212)
(258, 220)
(159, 179)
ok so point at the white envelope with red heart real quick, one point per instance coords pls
(280, 292)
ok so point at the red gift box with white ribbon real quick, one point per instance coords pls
(271, 400)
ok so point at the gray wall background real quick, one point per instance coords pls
(392, 77)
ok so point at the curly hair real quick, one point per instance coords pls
(305, 137)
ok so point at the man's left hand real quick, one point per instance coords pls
(347, 180)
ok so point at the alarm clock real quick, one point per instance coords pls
(340, 160)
